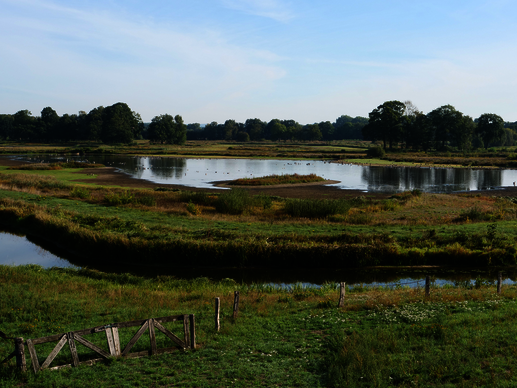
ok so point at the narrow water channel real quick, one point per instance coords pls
(20, 250)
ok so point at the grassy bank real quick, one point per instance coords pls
(235, 229)
(380, 338)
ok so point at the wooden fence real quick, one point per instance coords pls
(113, 342)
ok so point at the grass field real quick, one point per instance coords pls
(460, 336)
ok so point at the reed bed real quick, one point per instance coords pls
(270, 180)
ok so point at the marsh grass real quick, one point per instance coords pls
(270, 180)
(315, 208)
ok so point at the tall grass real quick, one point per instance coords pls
(36, 181)
(277, 180)
(315, 208)
(235, 201)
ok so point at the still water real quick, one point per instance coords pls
(20, 250)
(202, 173)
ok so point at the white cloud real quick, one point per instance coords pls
(273, 9)
(75, 57)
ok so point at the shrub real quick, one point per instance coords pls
(315, 208)
(235, 201)
(375, 152)
(79, 192)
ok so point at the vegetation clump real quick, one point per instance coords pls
(277, 180)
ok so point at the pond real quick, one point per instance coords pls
(202, 173)
(20, 250)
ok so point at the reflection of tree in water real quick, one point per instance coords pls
(168, 167)
(437, 180)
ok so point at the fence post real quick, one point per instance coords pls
(192, 331)
(19, 348)
(427, 285)
(341, 294)
(499, 281)
(217, 307)
(236, 305)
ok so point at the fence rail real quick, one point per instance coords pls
(113, 342)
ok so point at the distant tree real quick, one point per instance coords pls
(24, 125)
(6, 126)
(214, 131)
(255, 128)
(194, 127)
(67, 128)
(230, 129)
(242, 136)
(385, 123)
(93, 124)
(450, 126)
(347, 127)
(119, 124)
(327, 130)
(277, 130)
(167, 129)
(49, 123)
(490, 127)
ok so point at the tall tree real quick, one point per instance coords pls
(24, 125)
(450, 126)
(490, 127)
(119, 124)
(167, 129)
(49, 123)
(385, 123)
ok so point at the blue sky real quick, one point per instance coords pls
(219, 59)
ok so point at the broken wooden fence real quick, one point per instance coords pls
(112, 336)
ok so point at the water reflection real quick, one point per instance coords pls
(430, 179)
(203, 173)
(18, 250)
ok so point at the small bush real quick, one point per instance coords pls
(315, 208)
(127, 198)
(79, 192)
(375, 152)
(235, 201)
(196, 197)
(193, 209)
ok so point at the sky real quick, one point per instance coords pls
(214, 60)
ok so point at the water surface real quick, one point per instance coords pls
(202, 173)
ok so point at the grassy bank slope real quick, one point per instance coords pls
(232, 228)
(380, 338)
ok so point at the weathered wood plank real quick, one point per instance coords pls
(146, 353)
(51, 338)
(73, 349)
(235, 304)
(152, 336)
(172, 318)
(54, 352)
(91, 346)
(111, 344)
(169, 334)
(13, 354)
(217, 307)
(34, 356)
(122, 325)
(19, 348)
(342, 291)
(89, 362)
(135, 338)
(185, 331)
(116, 341)
(192, 331)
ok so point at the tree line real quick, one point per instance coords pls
(116, 123)
(345, 127)
(396, 123)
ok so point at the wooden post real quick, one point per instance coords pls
(236, 305)
(217, 307)
(499, 281)
(427, 285)
(192, 331)
(341, 302)
(19, 348)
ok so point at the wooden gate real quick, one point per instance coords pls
(112, 336)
